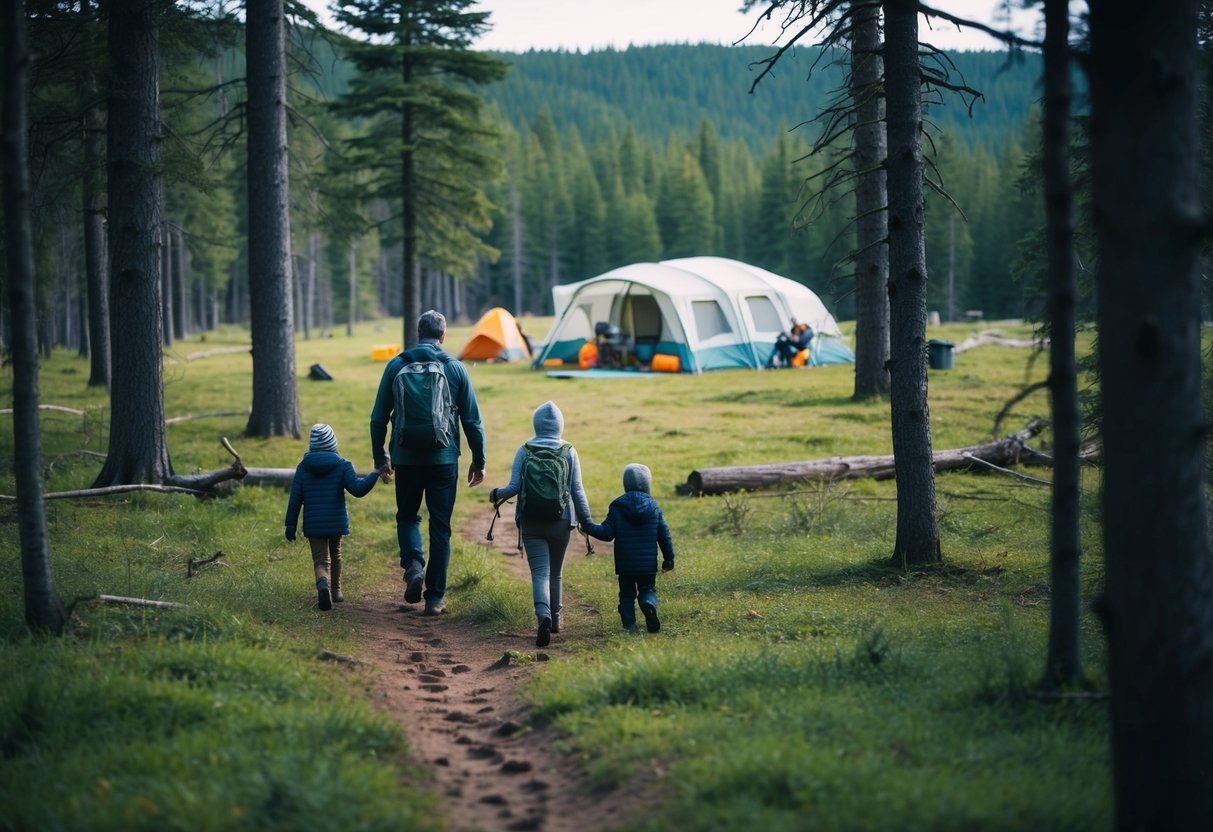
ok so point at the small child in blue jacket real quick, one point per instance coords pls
(320, 483)
(636, 524)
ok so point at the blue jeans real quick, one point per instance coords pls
(545, 542)
(436, 483)
(632, 587)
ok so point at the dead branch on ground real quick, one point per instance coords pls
(196, 565)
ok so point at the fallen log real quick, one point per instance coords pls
(273, 477)
(1005, 452)
(194, 356)
(107, 490)
(55, 407)
(140, 602)
(202, 485)
(994, 336)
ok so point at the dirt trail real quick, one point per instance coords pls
(457, 701)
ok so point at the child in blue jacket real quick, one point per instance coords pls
(636, 524)
(320, 483)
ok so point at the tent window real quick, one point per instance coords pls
(709, 319)
(766, 317)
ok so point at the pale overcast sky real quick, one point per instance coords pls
(519, 25)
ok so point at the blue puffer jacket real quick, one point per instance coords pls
(636, 524)
(320, 482)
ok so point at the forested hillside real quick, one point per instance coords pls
(669, 90)
(658, 152)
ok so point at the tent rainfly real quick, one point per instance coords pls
(496, 337)
(691, 314)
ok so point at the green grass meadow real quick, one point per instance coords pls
(799, 680)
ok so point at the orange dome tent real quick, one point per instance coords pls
(496, 337)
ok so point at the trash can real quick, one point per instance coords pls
(939, 354)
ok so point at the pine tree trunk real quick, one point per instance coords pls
(166, 278)
(410, 259)
(180, 295)
(43, 607)
(275, 408)
(138, 450)
(517, 250)
(872, 222)
(352, 318)
(311, 292)
(917, 530)
(1158, 611)
(1063, 666)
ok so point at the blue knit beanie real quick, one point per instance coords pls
(323, 439)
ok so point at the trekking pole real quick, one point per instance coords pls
(496, 514)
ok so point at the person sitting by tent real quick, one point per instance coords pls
(801, 338)
(787, 345)
(793, 348)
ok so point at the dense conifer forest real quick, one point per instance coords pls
(605, 158)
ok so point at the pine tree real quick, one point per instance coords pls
(43, 607)
(275, 410)
(685, 208)
(138, 447)
(426, 136)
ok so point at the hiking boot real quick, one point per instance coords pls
(544, 636)
(413, 584)
(335, 581)
(555, 622)
(437, 608)
(630, 628)
(650, 617)
(322, 592)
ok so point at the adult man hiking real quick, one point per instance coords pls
(426, 394)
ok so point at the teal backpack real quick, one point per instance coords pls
(423, 405)
(545, 481)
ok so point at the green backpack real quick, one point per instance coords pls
(423, 405)
(545, 481)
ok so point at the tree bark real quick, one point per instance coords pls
(917, 529)
(43, 607)
(275, 409)
(1010, 450)
(93, 209)
(871, 196)
(1063, 665)
(138, 450)
(352, 318)
(180, 295)
(166, 279)
(410, 258)
(1158, 610)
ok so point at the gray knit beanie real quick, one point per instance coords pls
(323, 439)
(637, 477)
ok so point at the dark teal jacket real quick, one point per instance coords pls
(320, 483)
(467, 414)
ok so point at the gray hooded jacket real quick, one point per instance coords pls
(549, 427)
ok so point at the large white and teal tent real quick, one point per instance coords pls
(710, 312)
